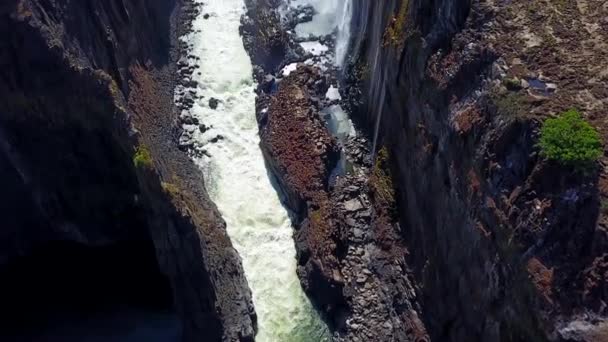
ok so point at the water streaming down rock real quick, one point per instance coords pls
(345, 15)
(237, 177)
(369, 27)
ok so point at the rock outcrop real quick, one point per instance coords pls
(88, 150)
(263, 34)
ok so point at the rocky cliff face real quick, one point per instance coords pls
(504, 245)
(86, 89)
(351, 258)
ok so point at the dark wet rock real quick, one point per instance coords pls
(189, 120)
(217, 138)
(188, 83)
(302, 14)
(269, 46)
(268, 85)
(213, 103)
(203, 128)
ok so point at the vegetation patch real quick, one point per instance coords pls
(170, 188)
(570, 140)
(512, 84)
(316, 217)
(604, 206)
(381, 180)
(362, 70)
(142, 157)
(509, 104)
(395, 30)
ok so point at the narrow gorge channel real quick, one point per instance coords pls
(303, 171)
(226, 148)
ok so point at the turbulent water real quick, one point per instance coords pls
(238, 180)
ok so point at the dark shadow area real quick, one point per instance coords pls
(66, 291)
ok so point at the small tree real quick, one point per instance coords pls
(570, 140)
(142, 157)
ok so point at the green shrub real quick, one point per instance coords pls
(142, 157)
(570, 140)
(170, 188)
(395, 30)
(512, 83)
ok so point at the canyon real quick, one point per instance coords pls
(299, 170)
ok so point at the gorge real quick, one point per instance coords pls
(300, 170)
(227, 151)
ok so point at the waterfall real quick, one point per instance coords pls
(378, 122)
(377, 96)
(237, 178)
(379, 76)
(345, 14)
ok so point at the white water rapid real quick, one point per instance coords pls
(238, 181)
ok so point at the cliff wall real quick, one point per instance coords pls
(504, 246)
(89, 154)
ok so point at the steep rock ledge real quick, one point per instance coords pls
(85, 86)
(504, 245)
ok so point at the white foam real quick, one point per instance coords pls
(238, 182)
(339, 124)
(314, 47)
(288, 69)
(333, 93)
(324, 22)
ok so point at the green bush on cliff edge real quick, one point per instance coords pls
(570, 140)
(142, 157)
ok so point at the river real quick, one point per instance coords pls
(238, 181)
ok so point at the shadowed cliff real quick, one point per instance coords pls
(84, 87)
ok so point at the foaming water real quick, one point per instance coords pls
(238, 181)
(323, 22)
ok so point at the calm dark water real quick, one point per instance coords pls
(67, 292)
(126, 325)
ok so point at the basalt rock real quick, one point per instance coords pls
(213, 103)
(503, 245)
(89, 154)
(263, 35)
